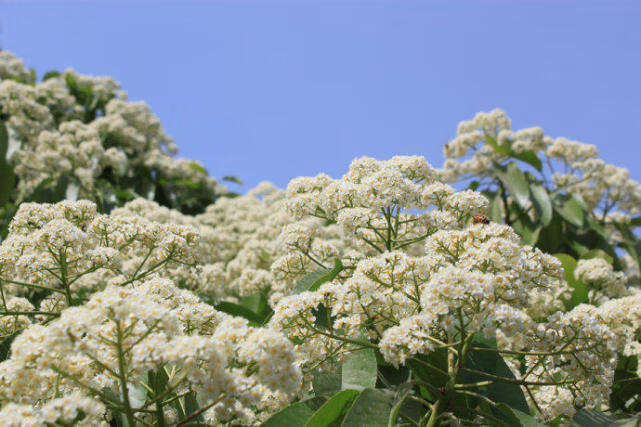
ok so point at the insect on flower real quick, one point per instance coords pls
(480, 219)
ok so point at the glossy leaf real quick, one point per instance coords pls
(359, 370)
(580, 290)
(515, 182)
(333, 410)
(371, 408)
(542, 203)
(327, 382)
(570, 207)
(492, 363)
(316, 278)
(296, 414)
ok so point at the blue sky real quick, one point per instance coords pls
(270, 90)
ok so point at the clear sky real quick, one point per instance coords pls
(270, 90)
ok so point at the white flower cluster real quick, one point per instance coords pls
(466, 277)
(72, 409)
(69, 249)
(604, 187)
(121, 333)
(54, 134)
(378, 206)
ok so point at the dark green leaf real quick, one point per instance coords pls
(7, 182)
(372, 408)
(491, 362)
(316, 278)
(5, 345)
(295, 414)
(359, 370)
(239, 311)
(4, 142)
(333, 410)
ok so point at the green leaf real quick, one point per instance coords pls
(333, 410)
(359, 370)
(529, 157)
(7, 182)
(50, 74)
(580, 290)
(231, 178)
(372, 408)
(526, 420)
(327, 382)
(570, 207)
(515, 182)
(5, 345)
(195, 166)
(257, 303)
(430, 367)
(528, 230)
(495, 208)
(316, 278)
(501, 149)
(491, 362)
(590, 418)
(4, 141)
(542, 203)
(295, 414)
(635, 222)
(239, 311)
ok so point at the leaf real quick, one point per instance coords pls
(296, 414)
(195, 166)
(231, 178)
(590, 418)
(580, 292)
(491, 362)
(515, 182)
(316, 278)
(327, 382)
(257, 303)
(528, 230)
(542, 203)
(570, 207)
(4, 141)
(495, 208)
(333, 410)
(430, 367)
(50, 74)
(359, 370)
(635, 222)
(372, 408)
(530, 157)
(7, 182)
(239, 311)
(526, 420)
(5, 345)
(501, 149)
